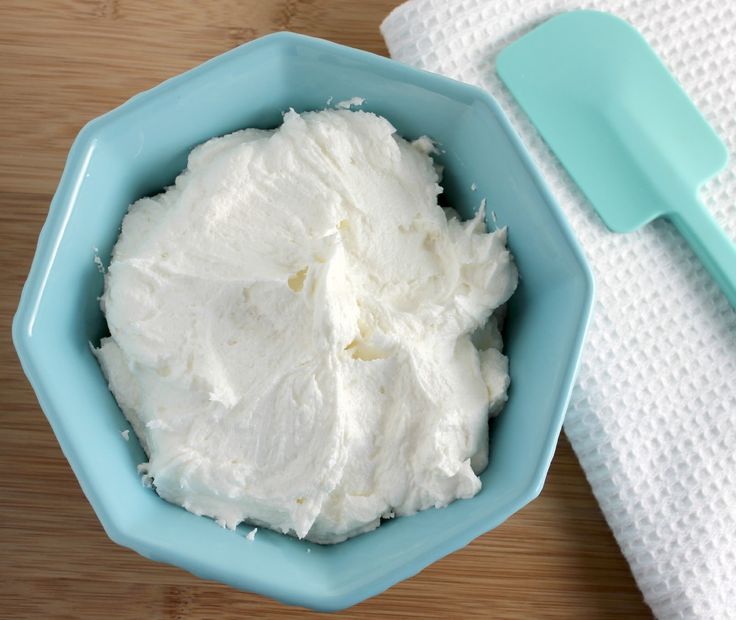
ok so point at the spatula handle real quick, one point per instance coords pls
(711, 244)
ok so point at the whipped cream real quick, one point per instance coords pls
(291, 330)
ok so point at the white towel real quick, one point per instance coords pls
(653, 415)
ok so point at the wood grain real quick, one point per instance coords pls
(64, 62)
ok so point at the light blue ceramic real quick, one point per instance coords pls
(139, 148)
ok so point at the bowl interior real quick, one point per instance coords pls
(138, 149)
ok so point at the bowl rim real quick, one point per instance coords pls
(48, 245)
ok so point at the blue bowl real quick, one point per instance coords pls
(139, 148)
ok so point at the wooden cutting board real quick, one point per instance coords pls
(64, 62)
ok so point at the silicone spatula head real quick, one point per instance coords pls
(622, 127)
(612, 113)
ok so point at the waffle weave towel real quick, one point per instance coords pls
(653, 415)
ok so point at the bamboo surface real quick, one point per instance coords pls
(63, 62)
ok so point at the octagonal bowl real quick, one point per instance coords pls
(139, 148)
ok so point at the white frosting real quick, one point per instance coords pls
(349, 103)
(290, 330)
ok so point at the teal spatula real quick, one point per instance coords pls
(622, 127)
